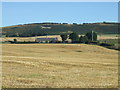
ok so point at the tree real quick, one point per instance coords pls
(83, 39)
(64, 37)
(92, 36)
(104, 22)
(74, 37)
(15, 40)
(74, 23)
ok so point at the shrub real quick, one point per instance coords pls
(92, 36)
(64, 37)
(15, 40)
(106, 44)
(83, 39)
(74, 37)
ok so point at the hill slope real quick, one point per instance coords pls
(56, 28)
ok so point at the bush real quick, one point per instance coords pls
(15, 40)
(46, 42)
(66, 41)
(106, 44)
(92, 36)
(83, 39)
(74, 37)
(64, 37)
(58, 42)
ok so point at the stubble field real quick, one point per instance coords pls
(59, 66)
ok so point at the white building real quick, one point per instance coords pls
(46, 40)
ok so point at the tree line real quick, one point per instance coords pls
(75, 38)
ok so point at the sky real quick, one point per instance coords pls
(14, 13)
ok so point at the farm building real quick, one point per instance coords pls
(46, 39)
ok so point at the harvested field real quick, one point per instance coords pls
(59, 66)
(26, 39)
(108, 36)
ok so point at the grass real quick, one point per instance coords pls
(111, 41)
(27, 39)
(108, 36)
(59, 66)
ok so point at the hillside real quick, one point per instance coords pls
(58, 28)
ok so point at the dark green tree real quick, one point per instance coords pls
(83, 39)
(92, 36)
(15, 40)
(64, 37)
(74, 37)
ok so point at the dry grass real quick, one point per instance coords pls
(59, 65)
(22, 39)
(108, 36)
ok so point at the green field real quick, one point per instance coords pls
(111, 41)
(36, 29)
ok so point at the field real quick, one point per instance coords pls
(108, 36)
(100, 37)
(111, 41)
(59, 66)
(26, 39)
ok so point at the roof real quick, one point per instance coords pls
(47, 39)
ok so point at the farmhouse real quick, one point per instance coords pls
(46, 40)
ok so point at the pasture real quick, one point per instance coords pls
(59, 66)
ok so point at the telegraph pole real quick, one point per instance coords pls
(92, 35)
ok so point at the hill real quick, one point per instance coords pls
(38, 29)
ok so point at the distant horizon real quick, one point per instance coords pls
(60, 23)
(15, 13)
